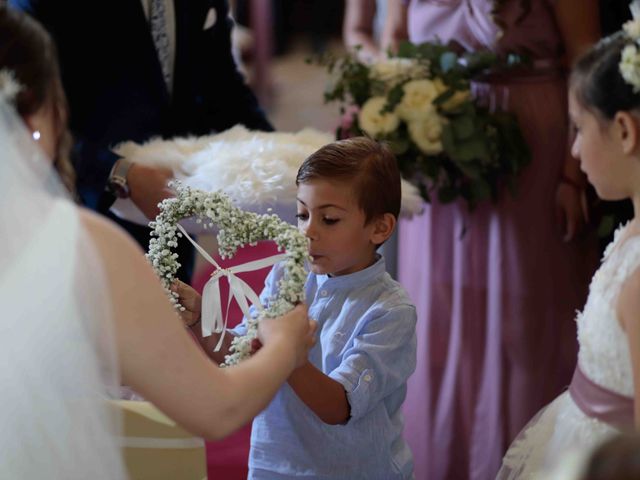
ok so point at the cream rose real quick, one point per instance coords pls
(427, 133)
(630, 66)
(458, 98)
(632, 28)
(393, 70)
(373, 122)
(417, 101)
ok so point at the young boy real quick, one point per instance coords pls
(339, 415)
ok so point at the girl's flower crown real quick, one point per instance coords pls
(9, 86)
(630, 59)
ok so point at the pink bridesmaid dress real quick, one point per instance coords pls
(496, 289)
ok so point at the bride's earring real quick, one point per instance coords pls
(36, 135)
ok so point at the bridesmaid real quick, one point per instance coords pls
(496, 289)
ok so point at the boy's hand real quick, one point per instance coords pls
(190, 300)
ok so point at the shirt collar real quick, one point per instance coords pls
(354, 279)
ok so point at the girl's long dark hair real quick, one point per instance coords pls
(596, 80)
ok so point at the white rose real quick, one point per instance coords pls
(373, 122)
(458, 98)
(630, 67)
(393, 70)
(417, 101)
(427, 134)
(440, 86)
(632, 28)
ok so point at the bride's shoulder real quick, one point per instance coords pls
(110, 239)
(104, 230)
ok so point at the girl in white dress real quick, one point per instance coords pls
(602, 399)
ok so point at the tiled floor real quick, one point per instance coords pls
(298, 93)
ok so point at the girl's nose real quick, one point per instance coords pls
(575, 149)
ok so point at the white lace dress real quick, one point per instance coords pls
(561, 428)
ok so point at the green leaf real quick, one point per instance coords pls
(407, 50)
(394, 97)
(480, 189)
(399, 146)
(463, 127)
(430, 166)
(448, 139)
(447, 194)
(606, 226)
(472, 171)
(466, 151)
(443, 97)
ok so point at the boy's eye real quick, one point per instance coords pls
(330, 221)
(302, 216)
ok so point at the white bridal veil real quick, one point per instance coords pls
(57, 360)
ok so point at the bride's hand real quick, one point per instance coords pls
(293, 328)
(190, 300)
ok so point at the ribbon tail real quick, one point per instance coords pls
(211, 307)
(224, 325)
(238, 291)
(250, 294)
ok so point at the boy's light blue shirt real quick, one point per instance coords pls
(367, 342)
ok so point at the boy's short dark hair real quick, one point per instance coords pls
(370, 165)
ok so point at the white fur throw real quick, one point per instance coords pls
(256, 169)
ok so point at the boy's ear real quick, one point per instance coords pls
(383, 227)
(627, 131)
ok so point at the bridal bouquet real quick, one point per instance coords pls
(419, 101)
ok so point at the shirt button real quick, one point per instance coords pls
(323, 293)
(367, 378)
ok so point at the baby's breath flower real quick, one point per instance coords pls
(236, 229)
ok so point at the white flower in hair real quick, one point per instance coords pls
(9, 86)
(635, 9)
(630, 67)
(632, 28)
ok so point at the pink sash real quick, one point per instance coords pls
(600, 403)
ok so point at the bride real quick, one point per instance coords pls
(83, 311)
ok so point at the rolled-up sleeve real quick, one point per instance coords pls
(380, 359)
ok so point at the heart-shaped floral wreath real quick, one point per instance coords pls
(236, 228)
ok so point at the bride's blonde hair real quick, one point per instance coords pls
(26, 49)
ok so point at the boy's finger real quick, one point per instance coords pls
(177, 286)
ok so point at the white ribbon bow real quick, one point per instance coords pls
(212, 318)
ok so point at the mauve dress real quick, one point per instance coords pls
(496, 290)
